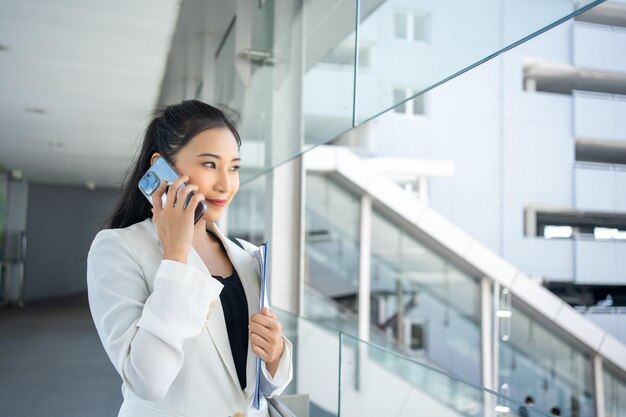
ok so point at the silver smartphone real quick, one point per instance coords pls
(162, 171)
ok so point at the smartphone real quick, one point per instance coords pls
(162, 171)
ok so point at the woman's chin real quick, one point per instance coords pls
(211, 217)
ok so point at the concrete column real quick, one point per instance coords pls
(486, 329)
(598, 382)
(286, 180)
(365, 253)
(286, 236)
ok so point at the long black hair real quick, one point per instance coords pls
(171, 128)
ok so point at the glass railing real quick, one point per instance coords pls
(315, 362)
(377, 382)
(432, 310)
(344, 377)
(421, 305)
(304, 73)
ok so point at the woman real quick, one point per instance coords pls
(176, 304)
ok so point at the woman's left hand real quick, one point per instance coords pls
(266, 337)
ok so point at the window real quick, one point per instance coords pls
(606, 152)
(575, 224)
(411, 26)
(414, 107)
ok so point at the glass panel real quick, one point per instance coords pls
(614, 395)
(433, 51)
(246, 213)
(289, 71)
(425, 303)
(375, 382)
(332, 241)
(315, 363)
(534, 361)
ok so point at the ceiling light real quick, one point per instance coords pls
(17, 175)
(36, 110)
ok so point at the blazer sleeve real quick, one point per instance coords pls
(142, 332)
(271, 387)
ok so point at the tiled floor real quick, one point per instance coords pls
(53, 364)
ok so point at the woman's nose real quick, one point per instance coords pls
(222, 184)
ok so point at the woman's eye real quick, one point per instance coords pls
(235, 168)
(209, 164)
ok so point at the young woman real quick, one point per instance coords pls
(176, 304)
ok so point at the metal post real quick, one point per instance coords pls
(487, 334)
(365, 250)
(495, 379)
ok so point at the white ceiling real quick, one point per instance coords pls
(78, 80)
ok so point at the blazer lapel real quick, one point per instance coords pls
(216, 325)
(248, 269)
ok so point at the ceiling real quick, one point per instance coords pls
(78, 80)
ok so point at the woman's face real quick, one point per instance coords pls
(211, 160)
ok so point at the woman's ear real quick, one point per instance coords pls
(154, 157)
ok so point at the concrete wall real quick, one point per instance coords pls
(62, 222)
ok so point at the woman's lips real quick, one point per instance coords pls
(219, 203)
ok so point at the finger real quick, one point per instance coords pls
(157, 204)
(257, 340)
(183, 193)
(271, 339)
(267, 312)
(173, 191)
(270, 323)
(193, 203)
(263, 320)
(261, 353)
(264, 332)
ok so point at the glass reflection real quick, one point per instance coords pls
(614, 394)
(423, 301)
(534, 361)
(332, 242)
(414, 44)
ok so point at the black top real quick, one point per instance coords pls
(235, 307)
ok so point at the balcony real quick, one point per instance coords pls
(600, 187)
(600, 262)
(599, 47)
(599, 116)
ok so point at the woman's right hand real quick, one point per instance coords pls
(173, 222)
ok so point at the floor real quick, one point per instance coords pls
(53, 364)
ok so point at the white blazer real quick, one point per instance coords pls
(162, 325)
